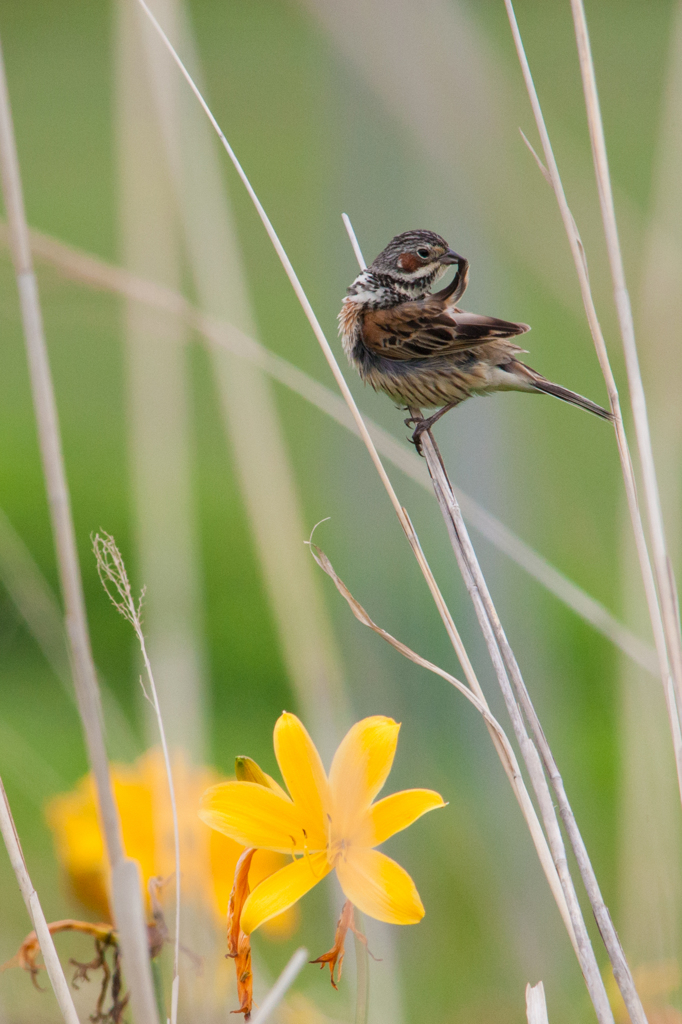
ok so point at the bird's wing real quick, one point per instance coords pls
(428, 329)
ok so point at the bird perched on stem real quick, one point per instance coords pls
(419, 347)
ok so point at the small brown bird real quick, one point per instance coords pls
(419, 347)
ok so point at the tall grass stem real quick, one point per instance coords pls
(281, 986)
(665, 579)
(125, 874)
(665, 639)
(113, 574)
(35, 912)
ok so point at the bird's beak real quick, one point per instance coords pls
(450, 257)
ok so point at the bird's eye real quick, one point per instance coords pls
(423, 253)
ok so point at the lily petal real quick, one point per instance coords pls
(248, 770)
(378, 886)
(359, 769)
(254, 816)
(304, 775)
(281, 890)
(394, 813)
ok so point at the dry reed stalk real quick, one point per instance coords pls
(35, 912)
(506, 669)
(114, 578)
(658, 622)
(95, 273)
(650, 843)
(281, 986)
(536, 1004)
(125, 873)
(665, 580)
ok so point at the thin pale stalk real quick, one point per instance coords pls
(114, 577)
(125, 874)
(92, 271)
(281, 986)
(176, 826)
(476, 588)
(665, 580)
(536, 1004)
(579, 259)
(489, 619)
(35, 912)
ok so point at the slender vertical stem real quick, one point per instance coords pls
(35, 912)
(490, 621)
(281, 986)
(476, 587)
(665, 581)
(580, 261)
(125, 874)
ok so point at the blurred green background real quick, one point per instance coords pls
(403, 116)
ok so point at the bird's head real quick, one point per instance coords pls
(414, 261)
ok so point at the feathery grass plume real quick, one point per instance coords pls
(114, 577)
(129, 913)
(38, 606)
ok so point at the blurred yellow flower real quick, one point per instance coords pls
(325, 823)
(141, 793)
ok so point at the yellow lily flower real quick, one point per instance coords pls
(325, 823)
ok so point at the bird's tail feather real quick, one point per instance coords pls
(566, 395)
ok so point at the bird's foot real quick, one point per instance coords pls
(420, 425)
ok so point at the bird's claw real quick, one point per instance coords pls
(420, 425)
